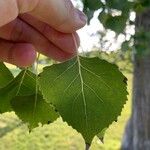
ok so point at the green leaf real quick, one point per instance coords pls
(33, 110)
(117, 4)
(125, 46)
(5, 75)
(116, 23)
(22, 85)
(144, 3)
(93, 4)
(103, 16)
(89, 93)
(90, 6)
(19, 95)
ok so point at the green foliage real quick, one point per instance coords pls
(106, 16)
(117, 4)
(83, 90)
(22, 85)
(5, 75)
(115, 15)
(59, 135)
(141, 5)
(125, 46)
(20, 96)
(115, 23)
(92, 5)
(33, 110)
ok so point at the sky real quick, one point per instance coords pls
(89, 38)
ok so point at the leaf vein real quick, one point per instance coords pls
(94, 92)
(82, 90)
(71, 83)
(98, 76)
(59, 76)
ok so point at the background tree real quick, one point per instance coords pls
(137, 134)
(115, 15)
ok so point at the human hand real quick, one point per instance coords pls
(44, 25)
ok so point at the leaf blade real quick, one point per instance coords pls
(83, 94)
(22, 85)
(24, 108)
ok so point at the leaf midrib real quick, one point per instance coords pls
(82, 90)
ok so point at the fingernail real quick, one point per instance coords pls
(80, 17)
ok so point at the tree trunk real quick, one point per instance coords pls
(137, 132)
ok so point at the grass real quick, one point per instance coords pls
(58, 136)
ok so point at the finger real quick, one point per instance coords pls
(20, 54)
(19, 31)
(59, 14)
(64, 41)
(8, 11)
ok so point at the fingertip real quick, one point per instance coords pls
(80, 19)
(23, 55)
(74, 22)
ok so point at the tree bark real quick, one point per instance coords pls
(137, 132)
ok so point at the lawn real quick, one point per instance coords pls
(58, 136)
